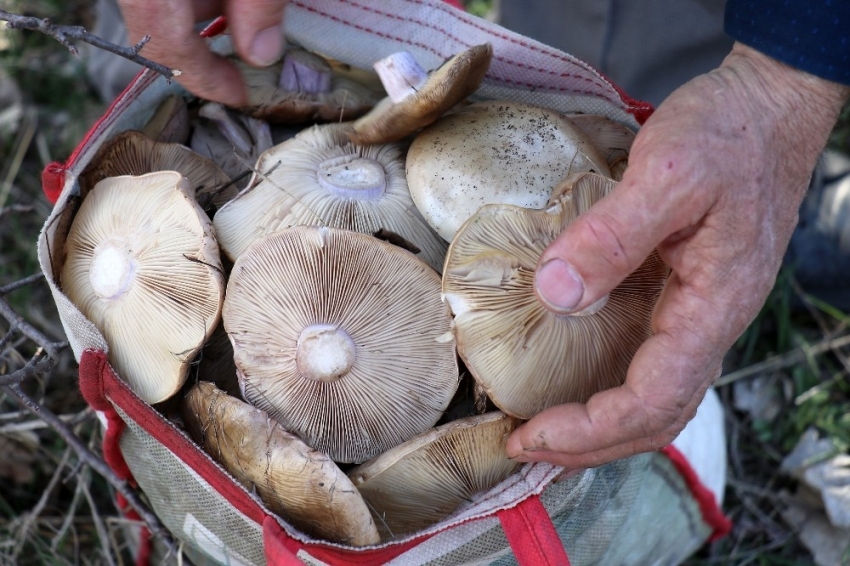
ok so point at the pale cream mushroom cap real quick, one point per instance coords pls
(320, 178)
(424, 480)
(526, 357)
(342, 338)
(301, 485)
(142, 264)
(133, 153)
(494, 153)
(449, 84)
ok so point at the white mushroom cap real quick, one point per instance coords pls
(133, 153)
(143, 266)
(526, 357)
(300, 484)
(417, 98)
(342, 338)
(494, 153)
(426, 479)
(320, 178)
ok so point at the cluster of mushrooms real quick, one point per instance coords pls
(362, 300)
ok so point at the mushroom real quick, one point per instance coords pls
(303, 88)
(232, 140)
(320, 178)
(417, 98)
(526, 357)
(298, 483)
(612, 139)
(142, 265)
(170, 122)
(494, 153)
(133, 153)
(342, 338)
(426, 479)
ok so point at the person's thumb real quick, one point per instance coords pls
(257, 28)
(602, 247)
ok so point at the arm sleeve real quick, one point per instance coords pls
(811, 35)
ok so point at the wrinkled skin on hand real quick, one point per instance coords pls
(714, 182)
(254, 24)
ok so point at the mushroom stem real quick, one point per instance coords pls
(324, 352)
(230, 127)
(305, 72)
(401, 75)
(353, 177)
(112, 270)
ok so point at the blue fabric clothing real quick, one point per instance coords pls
(811, 35)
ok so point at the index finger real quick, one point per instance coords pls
(175, 44)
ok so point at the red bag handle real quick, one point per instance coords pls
(532, 535)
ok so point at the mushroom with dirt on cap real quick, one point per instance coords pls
(298, 483)
(494, 153)
(526, 357)
(341, 337)
(143, 266)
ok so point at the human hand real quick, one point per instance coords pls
(254, 24)
(714, 182)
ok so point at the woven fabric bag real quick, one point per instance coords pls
(652, 508)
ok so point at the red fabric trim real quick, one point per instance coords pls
(52, 181)
(532, 535)
(711, 512)
(90, 372)
(216, 27)
(280, 549)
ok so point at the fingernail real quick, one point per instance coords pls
(559, 285)
(267, 46)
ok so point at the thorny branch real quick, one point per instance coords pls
(66, 34)
(41, 362)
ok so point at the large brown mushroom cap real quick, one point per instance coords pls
(424, 480)
(526, 357)
(341, 337)
(143, 266)
(320, 178)
(133, 153)
(452, 82)
(300, 484)
(494, 153)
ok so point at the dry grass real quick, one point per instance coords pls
(55, 510)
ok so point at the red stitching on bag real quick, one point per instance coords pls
(445, 32)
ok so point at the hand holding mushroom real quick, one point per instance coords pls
(257, 35)
(714, 181)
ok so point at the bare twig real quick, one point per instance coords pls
(66, 34)
(6, 289)
(151, 520)
(788, 359)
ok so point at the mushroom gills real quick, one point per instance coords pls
(429, 477)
